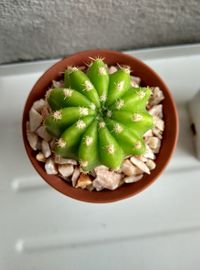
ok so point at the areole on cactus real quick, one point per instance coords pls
(98, 118)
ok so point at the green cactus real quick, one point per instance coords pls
(98, 118)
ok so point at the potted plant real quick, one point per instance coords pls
(100, 126)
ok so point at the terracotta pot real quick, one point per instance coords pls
(149, 78)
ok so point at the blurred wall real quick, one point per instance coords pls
(40, 29)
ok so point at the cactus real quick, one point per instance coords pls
(98, 118)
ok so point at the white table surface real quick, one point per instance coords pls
(157, 229)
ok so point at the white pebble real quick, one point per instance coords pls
(141, 165)
(106, 179)
(35, 119)
(136, 79)
(52, 144)
(31, 137)
(112, 69)
(149, 153)
(133, 178)
(159, 123)
(45, 111)
(149, 133)
(100, 168)
(50, 167)
(41, 131)
(33, 140)
(46, 149)
(157, 132)
(151, 164)
(129, 169)
(157, 96)
(60, 160)
(154, 143)
(75, 176)
(40, 157)
(59, 84)
(39, 104)
(66, 169)
(157, 110)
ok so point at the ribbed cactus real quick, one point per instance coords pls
(98, 118)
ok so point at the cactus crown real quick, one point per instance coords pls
(98, 118)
